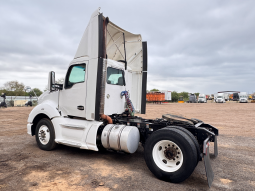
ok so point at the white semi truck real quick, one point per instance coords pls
(243, 97)
(220, 98)
(202, 98)
(226, 96)
(105, 85)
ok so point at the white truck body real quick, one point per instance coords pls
(168, 95)
(226, 96)
(215, 96)
(202, 98)
(93, 108)
(243, 97)
(76, 109)
(220, 98)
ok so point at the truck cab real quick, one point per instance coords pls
(220, 98)
(108, 62)
(202, 98)
(243, 97)
(192, 98)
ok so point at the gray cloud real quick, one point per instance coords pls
(194, 46)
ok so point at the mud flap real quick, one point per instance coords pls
(207, 162)
(215, 147)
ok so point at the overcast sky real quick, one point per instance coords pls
(195, 46)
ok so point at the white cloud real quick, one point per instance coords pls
(194, 46)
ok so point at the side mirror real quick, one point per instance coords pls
(51, 81)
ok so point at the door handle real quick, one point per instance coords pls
(80, 107)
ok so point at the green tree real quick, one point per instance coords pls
(175, 96)
(184, 94)
(34, 92)
(197, 94)
(14, 88)
(154, 90)
(37, 91)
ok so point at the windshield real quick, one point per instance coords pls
(115, 76)
(243, 96)
(201, 97)
(219, 97)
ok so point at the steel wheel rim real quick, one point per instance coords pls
(44, 134)
(162, 160)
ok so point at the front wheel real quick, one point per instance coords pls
(45, 135)
(171, 155)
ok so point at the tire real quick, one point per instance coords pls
(165, 166)
(45, 135)
(192, 138)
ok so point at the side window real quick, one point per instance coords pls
(115, 76)
(76, 74)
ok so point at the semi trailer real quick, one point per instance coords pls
(104, 87)
(235, 96)
(168, 95)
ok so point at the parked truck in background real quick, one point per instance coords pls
(104, 87)
(167, 95)
(202, 98)
(215, 97)
(230, 96)
(220, 98)
(235, 96)
(226, 96)
(253, 98)
(243, 97)
(192, 98)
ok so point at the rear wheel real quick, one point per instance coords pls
(45, 135)
(192, 138)
(170, 154)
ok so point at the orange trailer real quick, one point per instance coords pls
(155, 97)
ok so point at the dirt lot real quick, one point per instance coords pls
(23, 166)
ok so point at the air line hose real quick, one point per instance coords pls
(130, 106)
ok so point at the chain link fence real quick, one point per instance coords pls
(19, 101)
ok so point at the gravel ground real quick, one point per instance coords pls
(23, 166)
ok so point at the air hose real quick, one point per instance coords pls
(130, 106)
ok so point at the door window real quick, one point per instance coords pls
(76, 74)
(115, 76)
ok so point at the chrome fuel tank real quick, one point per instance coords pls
(120, 138)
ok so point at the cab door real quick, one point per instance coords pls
(72, 98)
(115, 84)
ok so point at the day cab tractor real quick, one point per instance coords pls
(104, 87)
